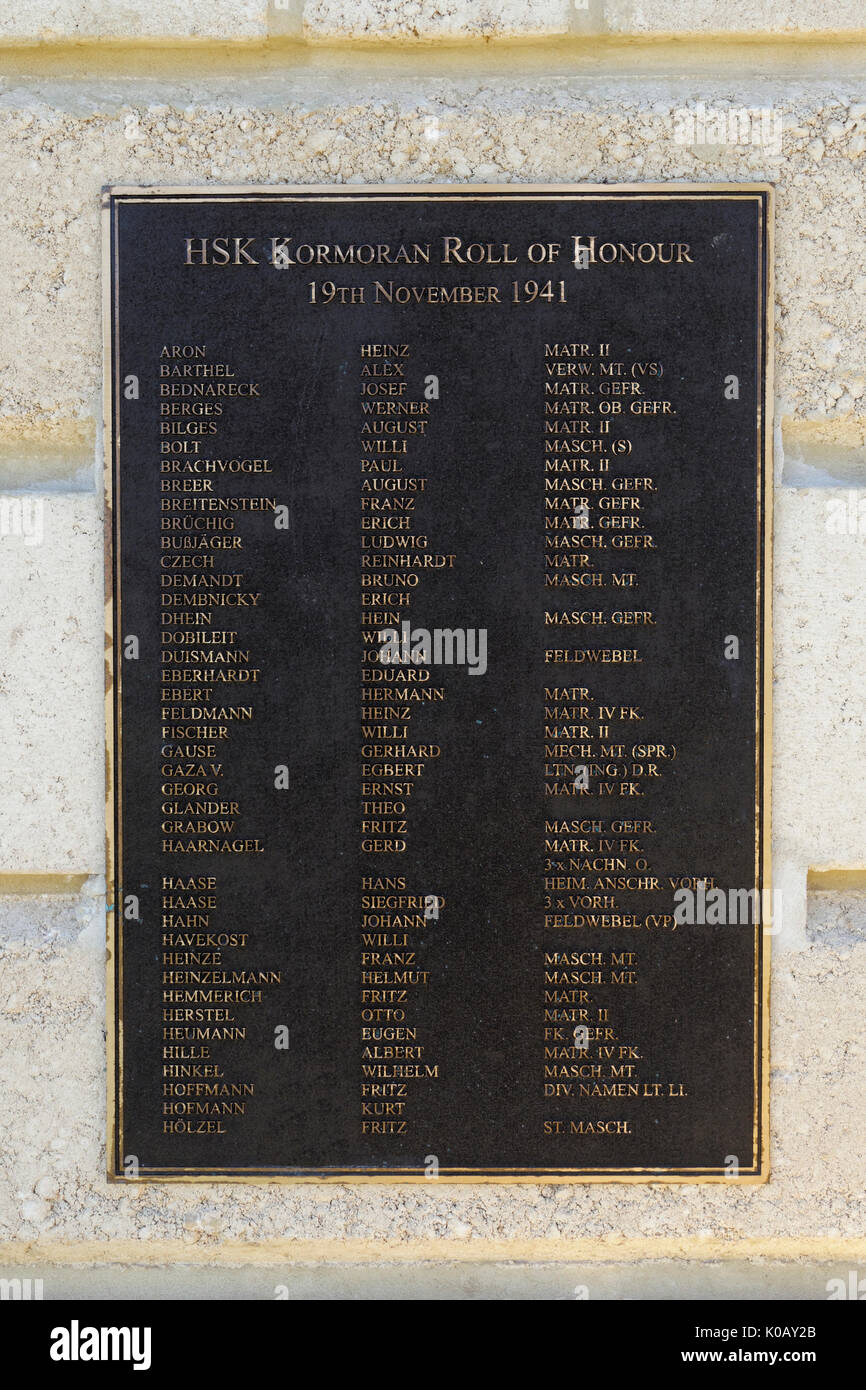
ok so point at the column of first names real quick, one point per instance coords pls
(397, 696)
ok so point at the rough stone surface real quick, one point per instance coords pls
(413, 20)
(643, 17)
(53, 20)
(453, 19)
(819, 726)
(837, 919)
(434, 19)
(51, 685)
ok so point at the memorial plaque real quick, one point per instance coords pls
(438, 709)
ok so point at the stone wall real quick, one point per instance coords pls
(378, 91)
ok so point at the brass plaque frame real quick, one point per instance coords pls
(763, 194)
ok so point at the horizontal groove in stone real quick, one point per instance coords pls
(41, 885)
(836, 880)
(824, 452)
(685, 55)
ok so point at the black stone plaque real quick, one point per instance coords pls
(438, 626)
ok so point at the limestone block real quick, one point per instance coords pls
(51, 684)
(43, 21)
